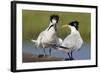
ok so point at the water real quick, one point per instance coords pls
(83, 54)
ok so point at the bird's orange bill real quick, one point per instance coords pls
(64, 26)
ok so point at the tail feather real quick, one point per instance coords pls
(60, 41)
(34, 41)
(63, 47)
(59, 46)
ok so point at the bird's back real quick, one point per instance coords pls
(73, 41)
(46, 37)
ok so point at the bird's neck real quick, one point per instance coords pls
(51, 26)
(73, 30)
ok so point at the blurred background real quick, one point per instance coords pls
(34, 22)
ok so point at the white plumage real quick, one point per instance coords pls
(73, 41)
(46, 38)
(49, 35)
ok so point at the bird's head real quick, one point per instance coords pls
(54, 19)
(73, 25)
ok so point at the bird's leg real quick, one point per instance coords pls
(72, 55)
(65, 56)
(69, 55)
(44, 51)
(50, 51)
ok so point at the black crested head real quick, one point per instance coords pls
(56, 17)
(75, 24)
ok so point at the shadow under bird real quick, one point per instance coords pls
(72, 42)
(49, 35)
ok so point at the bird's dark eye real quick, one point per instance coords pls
(74, 24)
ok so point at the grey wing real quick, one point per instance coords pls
(69, 41)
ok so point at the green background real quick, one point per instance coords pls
(36, 21)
